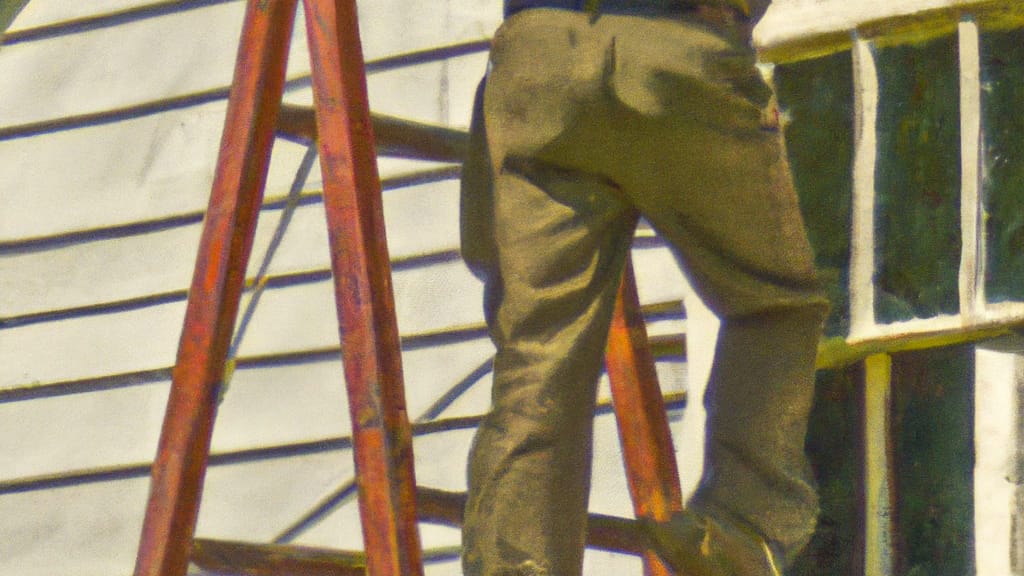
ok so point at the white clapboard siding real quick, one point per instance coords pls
(39, 13)
(109, 131)
(150, 59)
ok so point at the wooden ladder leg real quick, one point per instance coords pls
(217, 283)
(382, 437)
(640, 411)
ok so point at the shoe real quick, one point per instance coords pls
(695, 545)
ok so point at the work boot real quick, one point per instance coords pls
(696, 545)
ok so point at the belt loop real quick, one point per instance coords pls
(592, 7)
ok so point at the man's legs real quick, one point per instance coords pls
(705, 163)
(562, 241)
(550, 242)
(588, 121)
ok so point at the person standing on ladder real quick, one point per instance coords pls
(590, 117)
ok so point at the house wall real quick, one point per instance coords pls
(110, 118)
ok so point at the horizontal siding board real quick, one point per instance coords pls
(140, 170)
(659, 278)
(432, 373)
(255, 501)
(108, 428)
(302, 317)
(92, 529)
(398, 26)
(421, 220)
(49, 12)
(268, 406)
(288, 319)
(150, 59)
(185, 53)
(90, 347)
(97, 272)
(88, 530)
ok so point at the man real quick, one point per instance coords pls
(589, 118)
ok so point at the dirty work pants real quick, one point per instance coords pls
(582, 126)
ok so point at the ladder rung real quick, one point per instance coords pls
(435, 506)
(393, 136)
(250, 559)
(603, 532)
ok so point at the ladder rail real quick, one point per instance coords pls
(370, 340)
(179, 469)
(362, 275)
(371, 348)
(640, 413)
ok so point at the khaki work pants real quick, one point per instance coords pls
(583, 125)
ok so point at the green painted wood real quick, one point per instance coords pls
(918, 181)
(817, 99)
(933, 449)
(919, 250)
(1002, 55)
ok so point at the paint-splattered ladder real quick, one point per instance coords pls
(389, 503)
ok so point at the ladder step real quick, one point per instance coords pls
(249, 559)
(434, 506)
(393, 136)
(603, 532)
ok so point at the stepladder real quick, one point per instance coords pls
(370, 342)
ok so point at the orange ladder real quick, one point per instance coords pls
(382, 438)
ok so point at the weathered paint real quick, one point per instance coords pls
(640, 412)
(371, 349)
(878, 558)
(216, 289)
